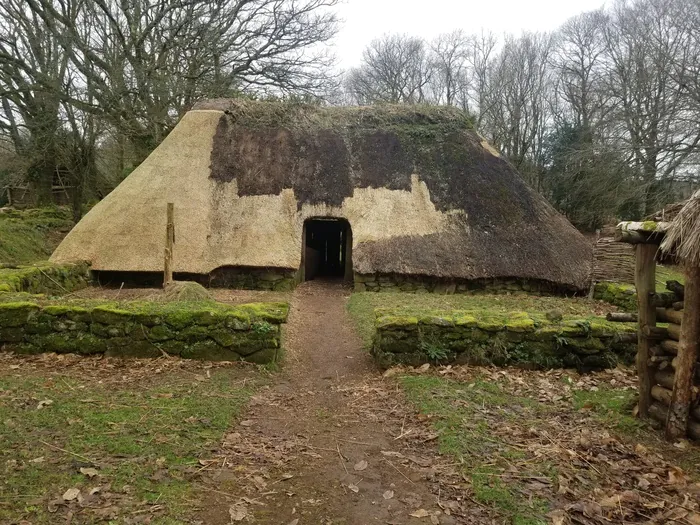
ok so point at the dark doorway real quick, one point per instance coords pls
(327, 248)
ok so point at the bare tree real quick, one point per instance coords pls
(449, 55)
(516, 96)
(395, 69)
(148, 61)
(578, 61)
(650, 106)
(482, 48)
(33, 69)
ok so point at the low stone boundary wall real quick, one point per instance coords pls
(237, 277)
(50, 279)
(192, 330)
(465, 337)
(246, 278)
(624, 296)
(419, 284)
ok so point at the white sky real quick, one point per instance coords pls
(365, 20)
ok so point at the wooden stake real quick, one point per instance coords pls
(645, 280)
(169, 242)
(677, 421)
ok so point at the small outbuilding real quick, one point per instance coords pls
(392, 197)
(667, 353)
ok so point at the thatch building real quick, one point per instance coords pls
(392, 195)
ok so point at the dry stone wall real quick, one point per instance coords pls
(464, 337)
(424, 284)
(191, 330)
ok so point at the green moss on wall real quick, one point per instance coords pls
(202, 330)
(484, 337)
(624, 296)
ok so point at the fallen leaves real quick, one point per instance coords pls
(71, 494)
(420, 513)
(360, 465)
(89, 472)
(388, 494)
(238, 512)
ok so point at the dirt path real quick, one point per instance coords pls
(330, 442)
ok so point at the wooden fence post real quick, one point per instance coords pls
(645, 280)
(169, 242)
(677, 419)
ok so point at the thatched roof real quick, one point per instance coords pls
(423, 192)
(682, 238)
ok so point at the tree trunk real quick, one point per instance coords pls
(40, 175)
(677, 421)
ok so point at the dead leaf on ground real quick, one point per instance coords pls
(89, 472)
(354, 487)
(360, 465)
(388, 494)
(71, 494)
(558, 517)
(238, 512)
(44, 403)
(676, 476)
(54, 504)
(420, 513)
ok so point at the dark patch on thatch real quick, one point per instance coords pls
(265, 161)
(324, 153)
(381, 161)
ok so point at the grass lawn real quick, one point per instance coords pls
(128, 435)
(460, 411)
(361, 306)
(30, 236)
(536, 446)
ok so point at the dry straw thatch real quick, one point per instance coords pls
(682, 239)
(424, 194)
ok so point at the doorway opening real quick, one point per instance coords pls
(327, 249)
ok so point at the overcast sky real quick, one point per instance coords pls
(365, 20)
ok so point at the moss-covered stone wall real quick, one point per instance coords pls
(192, 330)
(50, 279)
(423, 284)
(624, 296)
(248, 278)
(237, 277)
(469, 337)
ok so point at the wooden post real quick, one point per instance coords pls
(645, 280)
(677, 421)
(169, 242)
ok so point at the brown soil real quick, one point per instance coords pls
(330, 441)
